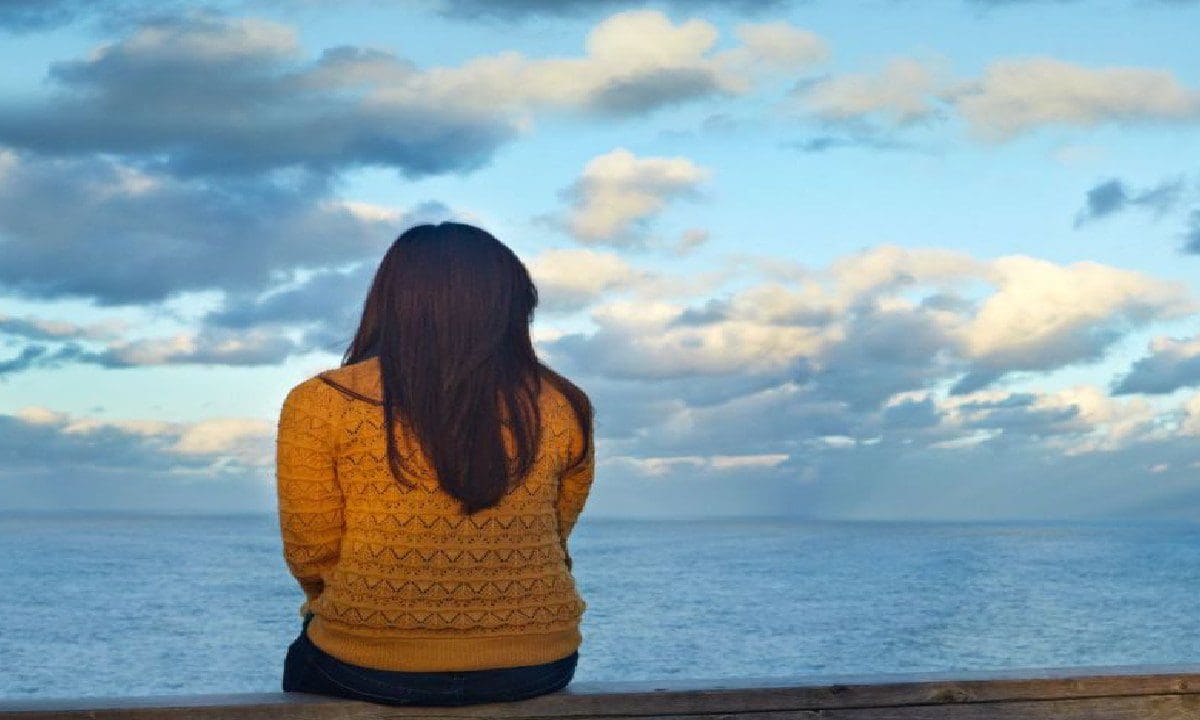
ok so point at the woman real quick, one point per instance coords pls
(428, 485)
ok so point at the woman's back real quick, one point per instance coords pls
(400, 578)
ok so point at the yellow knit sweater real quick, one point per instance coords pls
(399, 578)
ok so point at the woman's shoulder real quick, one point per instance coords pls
(565, 400)
(312, 397)
(360, 380)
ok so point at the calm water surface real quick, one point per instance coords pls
(114, 604)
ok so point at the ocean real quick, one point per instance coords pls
(125, 604)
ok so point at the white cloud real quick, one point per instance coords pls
(242, 438)
(618, 192)
(1073, 420)
(36, 415)
(253, 346)
(883, 321)
(1044, 315)
(59, 460)
(1013, 96)
(1018, 95)
(35, 328)
(903, 91)
(774, 46)
(571, 278)
(660, 466)
(634, 61)
(643, 339)
(239, 39)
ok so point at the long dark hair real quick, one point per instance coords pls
(448, 316)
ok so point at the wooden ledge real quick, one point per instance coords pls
(1159, 692)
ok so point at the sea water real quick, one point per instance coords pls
(125, 604)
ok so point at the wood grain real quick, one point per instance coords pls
(1119, 693)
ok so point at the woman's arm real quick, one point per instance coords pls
(573, 488)
(310, 498)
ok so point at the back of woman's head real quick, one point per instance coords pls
(448, 315)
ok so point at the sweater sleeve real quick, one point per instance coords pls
(574, 487)
(310, 498)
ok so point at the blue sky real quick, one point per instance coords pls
(853, 260)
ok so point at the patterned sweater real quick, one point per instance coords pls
(399, 578)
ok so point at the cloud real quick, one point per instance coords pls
(1018, 95)
(206, 346)
(774, 450)
(850, 371)
(618, 193)
(517, 9)
(1033, 454)
(66, 220)
(28, 16)
(870, 325)
(825, 143)
(1045, 316)
(775, 46)
(637, 61)
(658, 466)
(276, 253)
(689, 240)
(902, 93)
(870, 387)
(1172, 363)
(330, 296)
(316, 313)
(1017, 479)
(1115, 196)
(1104, 422)
(205, 94)
(35, 328)
(60, 461)
(21, 16)
(232, 439)
(1192, 234)
(637, 339)
(1012, 97)
(29, 356)
(572, 279)
(1072, 453)
(1023, 413)
(880, 351)
(913, 413)
(879, 322)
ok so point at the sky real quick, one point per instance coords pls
(844, 260)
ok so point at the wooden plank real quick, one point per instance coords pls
(1055, 692)
(1149, 707)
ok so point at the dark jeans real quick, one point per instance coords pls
(309, 669)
